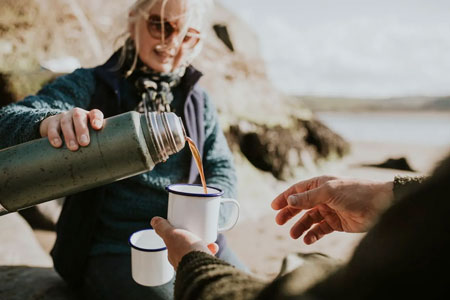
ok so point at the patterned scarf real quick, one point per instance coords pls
(155, 88)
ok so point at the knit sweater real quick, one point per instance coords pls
(400, 256)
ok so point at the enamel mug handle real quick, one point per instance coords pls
(232, 222)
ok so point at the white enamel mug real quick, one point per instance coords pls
(191, 209)
(149, 262)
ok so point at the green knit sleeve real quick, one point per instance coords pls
(19, 122)
(201, 276)
(404, 184)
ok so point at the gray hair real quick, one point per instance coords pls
(196, 15)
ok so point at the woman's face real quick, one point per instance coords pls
(164, 46)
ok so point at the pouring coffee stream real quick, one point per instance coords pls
(198, 161)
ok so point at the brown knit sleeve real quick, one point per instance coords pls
(404, 184)
(201, 276)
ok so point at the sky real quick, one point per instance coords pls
(353, 48)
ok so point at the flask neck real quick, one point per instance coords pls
(165, 134)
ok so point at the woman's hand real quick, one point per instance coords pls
(180, 242)
(332, 204)
(74, 126)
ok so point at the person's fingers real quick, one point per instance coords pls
(80, 120)
(309, 198)
(96, 117)
(317, 232)
(214, 248)
(161, 226)
(310, 218)
(68, 131)
(286, 214)
(53, 130)
(281, 200)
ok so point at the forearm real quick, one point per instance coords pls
(201, 276)
(19, 122)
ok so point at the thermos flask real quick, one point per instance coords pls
(128, 144)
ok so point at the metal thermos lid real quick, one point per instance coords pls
(167, 134)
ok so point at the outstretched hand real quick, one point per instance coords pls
(332, 204)
(180, 242)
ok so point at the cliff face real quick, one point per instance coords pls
(249, 105)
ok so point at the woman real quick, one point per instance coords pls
(150, 72)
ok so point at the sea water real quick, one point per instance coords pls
(426, 128)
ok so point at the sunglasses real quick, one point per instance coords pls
(161, 29)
